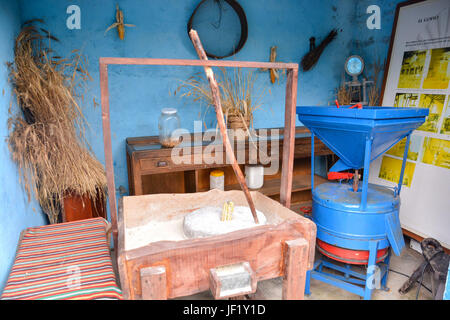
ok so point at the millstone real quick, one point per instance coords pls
(205, 222)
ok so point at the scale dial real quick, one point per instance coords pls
(354, 65)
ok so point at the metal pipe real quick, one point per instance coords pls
(405, 156)
(365, 187)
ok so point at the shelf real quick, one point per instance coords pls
(272, 187)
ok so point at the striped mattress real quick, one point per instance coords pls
(66, 261)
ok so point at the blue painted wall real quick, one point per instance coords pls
(138, 93)
(373, 45)
(16, 213)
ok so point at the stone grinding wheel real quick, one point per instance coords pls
(206, 222)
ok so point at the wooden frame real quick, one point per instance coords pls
(289, 128)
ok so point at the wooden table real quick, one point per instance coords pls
(151, 169)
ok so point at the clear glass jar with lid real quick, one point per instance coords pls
(168, 122)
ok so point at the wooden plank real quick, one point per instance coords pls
(154, 140)
(137, 175)
(109, 165)
(199, 63)
(191, 181)
(154, 283)
(196, 257)
(289, 137)
(272, 187)
(302, 149)
(295, 263)
(169, 182)
(122, 264)
(420, 238)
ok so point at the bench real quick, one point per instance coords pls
(63, 261)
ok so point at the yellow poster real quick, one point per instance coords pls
(406, 100)
(390, 170)
(436, 152)
(414, 147)
(438, 75)
(412, 69)
(434, 103)
(445, 128)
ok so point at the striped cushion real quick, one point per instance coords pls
(63, 261)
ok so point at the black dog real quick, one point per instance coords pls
(436, 262)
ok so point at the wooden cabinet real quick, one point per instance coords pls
(151, 168)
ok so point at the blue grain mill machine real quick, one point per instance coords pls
(357, 222)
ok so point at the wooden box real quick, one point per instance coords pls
(167, 265)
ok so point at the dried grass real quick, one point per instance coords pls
(374, 90)
(237, 94)
(47, 139)
(343, 95)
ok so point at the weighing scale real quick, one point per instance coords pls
(354, 66)
(357, 223)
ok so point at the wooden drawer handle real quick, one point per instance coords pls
(161, 164)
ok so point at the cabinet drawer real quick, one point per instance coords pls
(159, 165)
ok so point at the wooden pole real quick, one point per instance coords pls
(220, 120)
(295, 268)
(109, 165)
(287, 166)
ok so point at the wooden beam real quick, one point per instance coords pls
(295, 264)
(154, 283)
(109, 165)
(221, 122)
(288, 138)
(199, 63)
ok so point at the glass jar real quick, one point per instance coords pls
(217, 180)
(168, 122)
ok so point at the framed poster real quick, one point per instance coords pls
(418, 75)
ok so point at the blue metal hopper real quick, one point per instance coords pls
(354, 221)
(345, 131)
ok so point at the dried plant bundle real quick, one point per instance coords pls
(237, 94)
(343, 94)
(374, 90)
(47, 138)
